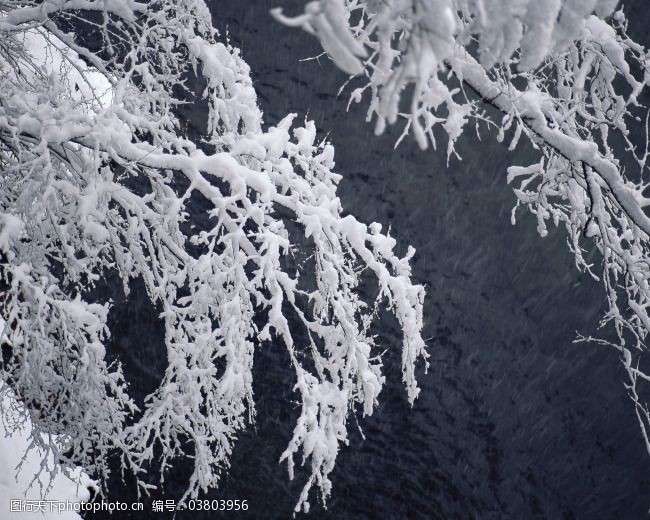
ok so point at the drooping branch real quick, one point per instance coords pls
(563, 75)
(532, 111)
(99, 177)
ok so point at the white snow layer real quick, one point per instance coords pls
(19, 484)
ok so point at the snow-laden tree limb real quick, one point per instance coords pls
(564, 76)
(98, 176)
(397, 43)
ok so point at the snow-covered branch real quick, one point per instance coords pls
(563, 75)
(99, 177)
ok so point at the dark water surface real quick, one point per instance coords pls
(514, 419)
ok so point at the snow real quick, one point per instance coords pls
(49, 54)
(17, 479)
(27, 473)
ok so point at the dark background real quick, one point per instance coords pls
(514, 419)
